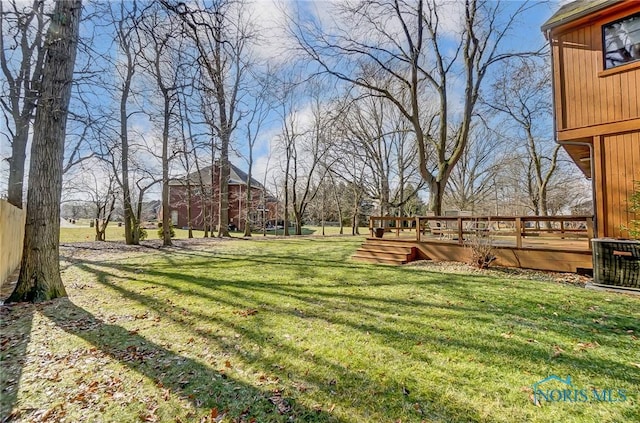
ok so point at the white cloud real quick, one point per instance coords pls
(268, 18)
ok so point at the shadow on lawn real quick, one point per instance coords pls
(15, 333)
(362, 310)
(209, 388)
(272, 354)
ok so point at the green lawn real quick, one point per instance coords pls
(292, 330)
(83, 233)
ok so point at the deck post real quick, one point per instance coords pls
(418, 228)
(518, 232)
(589, 230)
(371, 226)
(460, 231)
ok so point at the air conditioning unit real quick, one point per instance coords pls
(616, 262)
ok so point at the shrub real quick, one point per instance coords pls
(634, 207)
(142, 233)
(172, 232)
(482, 251)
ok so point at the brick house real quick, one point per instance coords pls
(197, 194)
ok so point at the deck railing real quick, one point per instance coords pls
(513, 229)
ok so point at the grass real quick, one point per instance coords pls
(83, 233)
(292, 330)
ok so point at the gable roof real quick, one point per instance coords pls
(236, 177)
(576, 10)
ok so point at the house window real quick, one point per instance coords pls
(174, 217)
(621, 41)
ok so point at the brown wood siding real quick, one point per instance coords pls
(620, 166)
(584, 97)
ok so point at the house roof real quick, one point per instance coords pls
(575, 10)
(236, 177)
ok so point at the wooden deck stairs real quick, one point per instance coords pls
(380, 252)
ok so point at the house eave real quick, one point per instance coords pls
(577, 10)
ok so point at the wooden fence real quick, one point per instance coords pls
(11, 238)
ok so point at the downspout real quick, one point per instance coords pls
(578, 143)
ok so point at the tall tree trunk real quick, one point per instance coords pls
(285, 216)
(39, 278)
(22, 85)
(189, 217)
(129, 229)
(166, 213)
(131, 225)
(16, 164)
(436, 193)
(247, 223)
(223, 211)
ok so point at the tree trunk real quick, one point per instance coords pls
(436, 193)
(298, 217)
(189, 217)
(16, 164)
(131, 234)
(166, 208)
(247, 223)
(223, 201)
(39, 278)
(285, 216)
(22, 85)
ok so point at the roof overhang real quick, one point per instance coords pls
(580, 153)
(576, 10)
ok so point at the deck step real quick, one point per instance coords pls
(378, 260)
(381, 254)
(373, 251)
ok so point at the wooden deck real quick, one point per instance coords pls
(561, 247)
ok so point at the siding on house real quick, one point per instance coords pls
(597, 107)
(587, 95)
(619, 164)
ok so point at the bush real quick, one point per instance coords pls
(142, 233)
(634, 207)
(172, 232)
(482, 251)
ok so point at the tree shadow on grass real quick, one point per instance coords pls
(15, 333)
(492, 349)
(315, 371)
(203, 386)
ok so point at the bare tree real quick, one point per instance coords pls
(96, 184)
(164, 60)
(220, 32)
(473, 178)
(256, 119)
(39, 278)
(21, 59)
(381, 138)
(290, 132)
(126, 20)
(308, 153)
(401, 51)
(522, 93)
